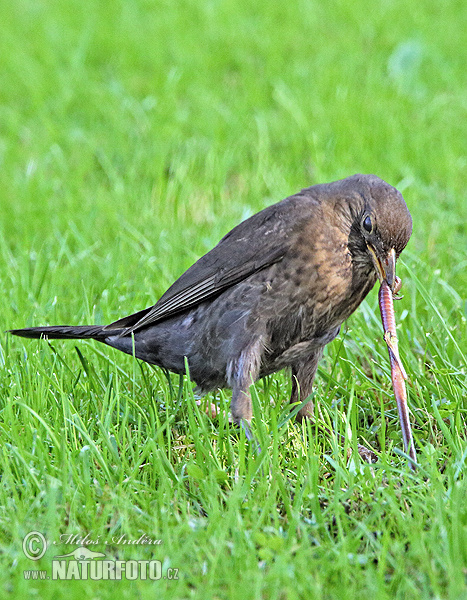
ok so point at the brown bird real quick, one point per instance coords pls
(272, 293)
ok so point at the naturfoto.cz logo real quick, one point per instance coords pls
(84, 563)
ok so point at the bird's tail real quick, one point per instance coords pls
(64, 332)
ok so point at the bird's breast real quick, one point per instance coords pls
(311, 293)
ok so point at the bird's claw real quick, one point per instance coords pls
(366, 454)
(249, 436)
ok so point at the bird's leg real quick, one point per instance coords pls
(240, 404)
(241, 373)
(240, 407)
(303, 374)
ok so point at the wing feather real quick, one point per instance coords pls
(253, 245)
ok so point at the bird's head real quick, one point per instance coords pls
(381, 225)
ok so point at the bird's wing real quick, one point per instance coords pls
(251, 246)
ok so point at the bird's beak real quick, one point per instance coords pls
(386, 268)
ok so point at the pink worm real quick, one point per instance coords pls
(397, 374)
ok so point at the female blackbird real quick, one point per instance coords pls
(272, 293)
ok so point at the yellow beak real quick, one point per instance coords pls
(386, 269)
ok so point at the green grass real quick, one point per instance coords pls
(133, 135)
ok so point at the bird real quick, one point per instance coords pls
(270, 295)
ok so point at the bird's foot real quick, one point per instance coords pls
(212, 410)
(366, 454)
(249, 436)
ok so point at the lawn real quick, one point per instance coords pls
(133, 135)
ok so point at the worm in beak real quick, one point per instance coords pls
(386, 267)
(398, 374)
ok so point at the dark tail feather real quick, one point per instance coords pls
(64, 332)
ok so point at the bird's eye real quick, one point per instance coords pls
(367, 224)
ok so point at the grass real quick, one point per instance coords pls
(133, 136)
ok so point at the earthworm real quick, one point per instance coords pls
(398, 373)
